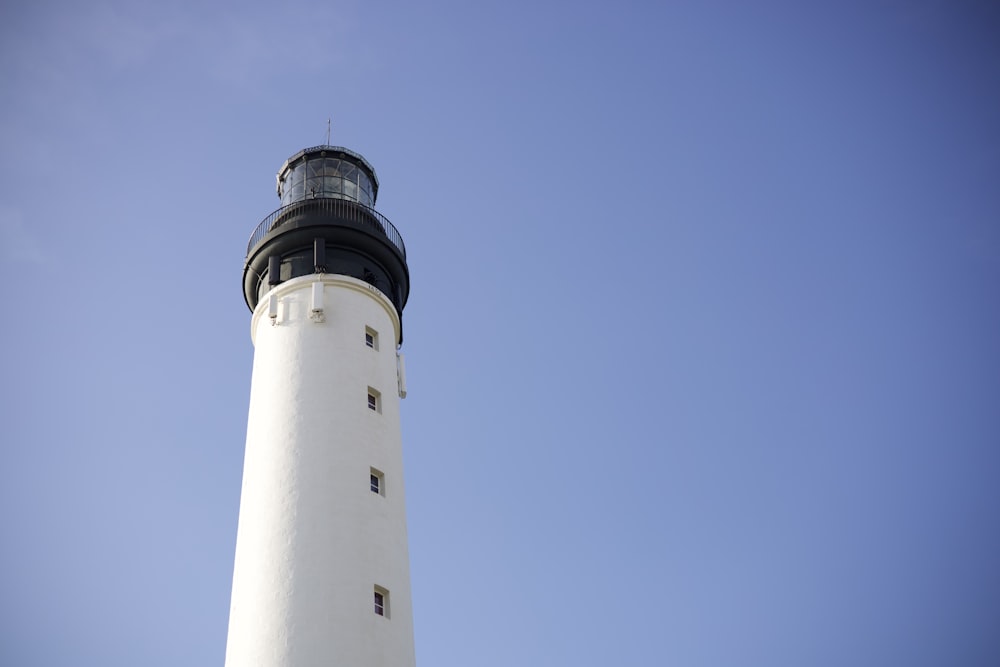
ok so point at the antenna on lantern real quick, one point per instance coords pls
(327, 131)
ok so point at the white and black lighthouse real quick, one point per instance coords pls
(321, 574)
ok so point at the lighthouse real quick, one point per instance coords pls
(321, 572)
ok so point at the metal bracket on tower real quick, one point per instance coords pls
(273, 270)
(272, 308)
(316, 311)
(319, 255)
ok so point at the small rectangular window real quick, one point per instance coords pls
(378, 482)
(381, 602)
(371, 338)
(374, 400)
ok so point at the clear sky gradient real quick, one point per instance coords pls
(702, 342)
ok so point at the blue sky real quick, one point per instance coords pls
(701, 344)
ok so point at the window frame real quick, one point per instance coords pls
(377, 484)
(381, 601)
(374, 400)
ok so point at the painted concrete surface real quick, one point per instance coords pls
(314, 541)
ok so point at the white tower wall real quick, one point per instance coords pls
(314, 541)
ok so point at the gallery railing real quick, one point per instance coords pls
(336, 209)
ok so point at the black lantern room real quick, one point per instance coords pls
(327, 224)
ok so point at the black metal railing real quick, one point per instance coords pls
(343, 209)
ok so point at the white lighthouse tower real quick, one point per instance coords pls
(321, 573)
